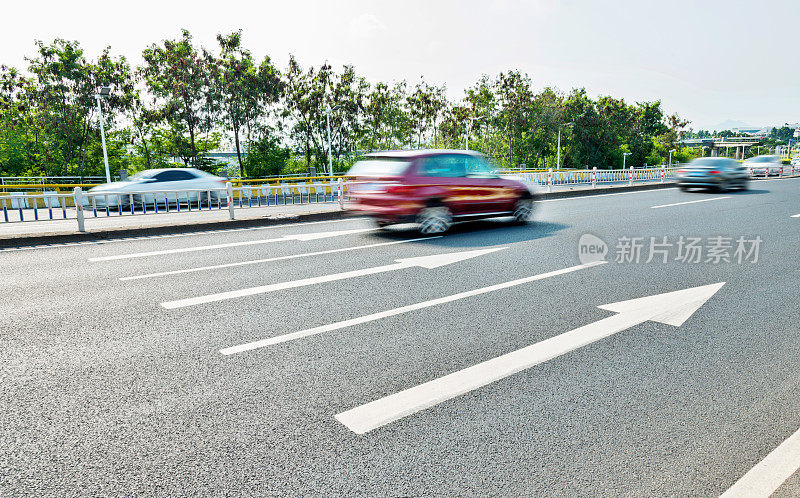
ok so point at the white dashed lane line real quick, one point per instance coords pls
(399, 311)
(690, 202)
(766, 477)
(429, 262)
(103, 242)
(285, 238)
(278, 258)
(650, 191)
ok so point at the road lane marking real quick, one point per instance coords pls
(429, 262)
(796, 216)
(691, 202)
(398, 311)
(607, 195)
(172, 235)
(770, 473)
(277, 258)
(299, 237)
(672, 308)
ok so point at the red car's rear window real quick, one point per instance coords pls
(380, 166)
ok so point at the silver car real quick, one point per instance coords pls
(764, 165)
(172, 184)
(716, 173)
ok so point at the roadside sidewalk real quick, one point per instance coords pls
(66, 230)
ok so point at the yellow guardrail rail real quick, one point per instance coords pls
(236, 182)
(37, 202)
(55, 186)
(242, 187)
(278, 181)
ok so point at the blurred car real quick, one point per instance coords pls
(434, 188)
(717, 173)
(189, 184)
(796, 160)
(764, 165)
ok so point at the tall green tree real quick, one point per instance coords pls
(19, 137)
(64, 83)
(313, 94)
(180, 81)
(243, 90)
(303, 104)
(426, 105)
(386, 122)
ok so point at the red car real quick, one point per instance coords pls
(433, 188)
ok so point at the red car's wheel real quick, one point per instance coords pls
(523, 210)
(434, 219)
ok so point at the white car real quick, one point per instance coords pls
(181, 185)
(796, 160)
(764, 165)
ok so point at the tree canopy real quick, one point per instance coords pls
(185, 101)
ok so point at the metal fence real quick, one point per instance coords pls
(44, 180)
(595, 176)
(631, 175)
(80, 204)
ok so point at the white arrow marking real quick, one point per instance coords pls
(302, 236)
(428, 262)
(398, 311)
(672, 308)
(690, 202)
(766, 477)
(277, 258)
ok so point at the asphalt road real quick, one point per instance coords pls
(108, 389)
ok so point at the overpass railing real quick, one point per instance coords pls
(597, 176)
(79, 204)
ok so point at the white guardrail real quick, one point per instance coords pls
(81, 204)
(595, 176)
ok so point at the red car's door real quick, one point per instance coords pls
(496, 195)
(444, 176)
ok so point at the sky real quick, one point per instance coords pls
(710, 61)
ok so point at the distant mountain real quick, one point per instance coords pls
(730, 124)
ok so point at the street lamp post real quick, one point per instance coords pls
(558, 154)
(328, 124)
(104, 92)
(670, 157)
(624, 156)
